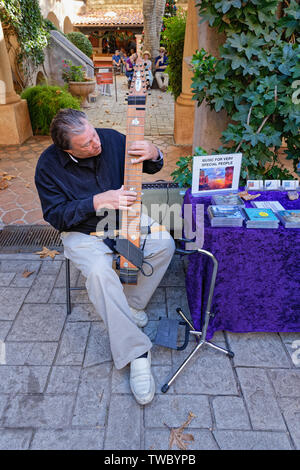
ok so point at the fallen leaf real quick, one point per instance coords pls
(3, 184)
(46, 252)
(8, 177)
(27, 185)
(27, 273)
(177, 437)
(107, 112)
(3, 173)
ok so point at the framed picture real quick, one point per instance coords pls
(272, 185)
(288, 185)
(255, 185)
(214, 174)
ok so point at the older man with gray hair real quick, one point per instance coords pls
(79, 177)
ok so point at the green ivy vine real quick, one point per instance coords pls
(25, 18)
(256, 80)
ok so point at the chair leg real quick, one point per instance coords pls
(68, 290)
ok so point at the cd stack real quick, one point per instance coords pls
(290, 218)
(227, 200)
(261, 218)
(225, 216)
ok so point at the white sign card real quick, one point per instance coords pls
(255, 185)
(214, 174)
(287, 185)
(273, 185)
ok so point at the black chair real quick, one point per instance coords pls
(68, 286)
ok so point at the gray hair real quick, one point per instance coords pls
(66, 123)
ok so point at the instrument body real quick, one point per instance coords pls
(130, 227)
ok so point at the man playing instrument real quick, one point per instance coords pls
(79, 178)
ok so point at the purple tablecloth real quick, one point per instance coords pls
(258, 281)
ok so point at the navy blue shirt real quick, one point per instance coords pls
(66, 187)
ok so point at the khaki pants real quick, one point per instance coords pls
(112, 299)
(162, 79)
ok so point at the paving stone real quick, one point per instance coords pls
(291, 412)
(6, 278)
(23, 379)
(158, 439)
(83, 313)
(176, 298)
(70, 439)
(34, 354)
(156, 310)
(4, 400)
(15, 439)
(124, 424)
(73, 344)
(61, 278)
(160, 356)
(64, 379)
(209, 372)
(98, 347)
(4, 329)
(174, 411)
(159, 296)
(174, 275)
(21, 281)
(230, 413)
(38, 322)
(11, 301)
(260, 398)
(39, 410)
(252, 440)
(93, 395)
(11, 263)
(286, 382)
(41, 289)
(258, 350)
(51, 266)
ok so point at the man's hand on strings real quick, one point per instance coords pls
(115, 199)
(141, 150)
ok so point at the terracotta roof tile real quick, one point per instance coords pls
(110, 18)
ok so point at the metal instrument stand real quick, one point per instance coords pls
(200, 335)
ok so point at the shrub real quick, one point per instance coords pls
(44, 102)
(255, 80)
(82, 42)
(72, 73)
(173, 38)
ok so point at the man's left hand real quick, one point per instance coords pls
(141, 150)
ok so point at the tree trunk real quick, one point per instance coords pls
(153, 11)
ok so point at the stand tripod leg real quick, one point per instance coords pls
(166, 386)
(218, 348)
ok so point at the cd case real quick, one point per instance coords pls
(225, 216)
(274, 205)
(227, 200)
(290, 218)
(261, 218)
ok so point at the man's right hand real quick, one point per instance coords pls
(114, 199)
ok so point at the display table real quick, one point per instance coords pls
(258, 281)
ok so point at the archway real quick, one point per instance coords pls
(40, 79)
(52, 17)
(68, 27)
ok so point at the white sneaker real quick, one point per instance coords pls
(140, 317)
(141, 380)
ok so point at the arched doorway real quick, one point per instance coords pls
(52, 17)
(68, 27)
(40, 79)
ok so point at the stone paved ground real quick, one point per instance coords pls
(58, 386)
(60, 390)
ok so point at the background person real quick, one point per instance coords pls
(148, 67)
(161, 63)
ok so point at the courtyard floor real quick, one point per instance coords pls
(58, 386)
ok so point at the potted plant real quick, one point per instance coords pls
(79, 84)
